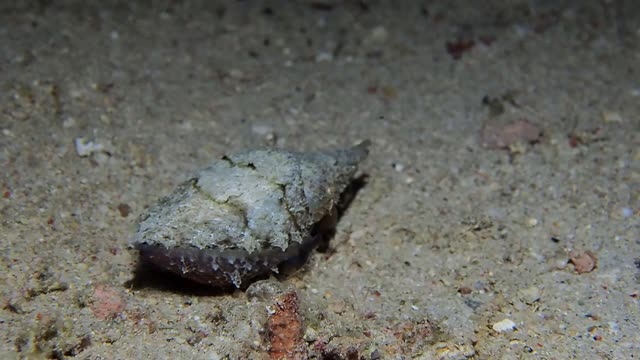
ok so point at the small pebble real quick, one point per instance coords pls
(264, 289)
(532, 222)
(504, 325)
(626, 212)
(85, 148)
(124, 209)
(398, 167)
(266, 132)
(464, 290)
(375, 355)
(561, 263)
(502, 136)
(583, 261)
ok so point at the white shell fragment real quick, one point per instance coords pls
(246, 213)
(504, 325)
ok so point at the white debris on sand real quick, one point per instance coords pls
(86, 148)
(504, 325)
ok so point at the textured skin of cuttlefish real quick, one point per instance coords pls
(246, 214)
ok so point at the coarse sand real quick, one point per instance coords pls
(499, 218)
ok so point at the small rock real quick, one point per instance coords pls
(124, 209)
(560, 263)
(375, 355)
(626, 212)
(502, 136)
(266, 132)
(464, 290)
(532, 222)
(504, 325)
(399, 167)
(85, 148)
(264, 290)
(583, 261)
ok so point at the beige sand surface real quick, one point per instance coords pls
(452, 250)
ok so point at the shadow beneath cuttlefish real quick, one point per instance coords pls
(147, 275)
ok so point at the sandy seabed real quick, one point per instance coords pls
(500, 216)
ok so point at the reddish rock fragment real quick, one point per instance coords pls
(124, 209)
(501, 136)
(107, 302)
(285, 328)
(464, 290)
(457, 48)
(583, 261)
